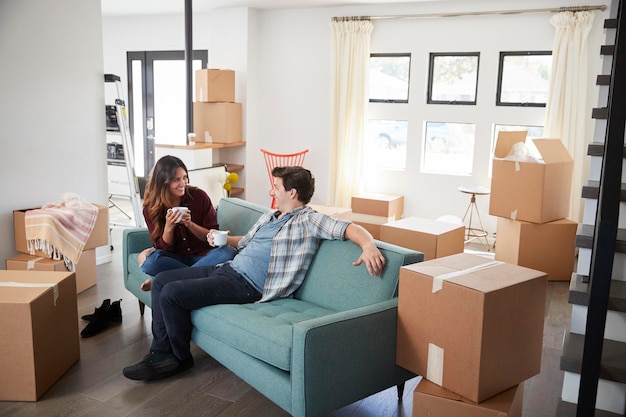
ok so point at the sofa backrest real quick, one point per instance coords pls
(334, 283)
(238, 215)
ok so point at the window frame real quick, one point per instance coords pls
(504, 54)
(429, 90)
(408, 86)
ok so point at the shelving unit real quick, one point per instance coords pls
(201, 157)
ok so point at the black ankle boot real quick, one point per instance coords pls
(102, 318)
(115, 309)
(105, 304)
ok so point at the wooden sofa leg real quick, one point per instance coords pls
(400, 388)
(142, 307)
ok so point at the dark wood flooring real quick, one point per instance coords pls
(95, 386)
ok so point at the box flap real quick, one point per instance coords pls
(506, 140)
(552, 150)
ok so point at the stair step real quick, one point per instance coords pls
(607, 49)
(603, 80)
(613, 364)
(567, 409)
(610, 23)
(579, 292)
(592, 190)
(600, 113)
(584, 238)
(597, 149)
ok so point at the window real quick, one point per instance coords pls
(453, 78)
(389, 78)
(524, 78)
(448, 148)
(386, 144)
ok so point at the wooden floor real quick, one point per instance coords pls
(95, 386)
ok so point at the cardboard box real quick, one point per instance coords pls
(530, 191)
(220, 121)
(381, 205)
(24, 262)
(99, 235)
(470, 324)
(38, 331)
(86, 274)
(430, 400)
(215, 85)
(548, 247)
(434, 239)
(336, 212)
(371, 211)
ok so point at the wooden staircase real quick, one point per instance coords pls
(594, 350)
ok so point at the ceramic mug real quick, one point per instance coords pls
(181, 211)
(220, 237)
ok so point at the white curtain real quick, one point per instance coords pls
(350, 67)
(567, 110)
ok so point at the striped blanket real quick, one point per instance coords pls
(61, 229)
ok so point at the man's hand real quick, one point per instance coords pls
(374, 260)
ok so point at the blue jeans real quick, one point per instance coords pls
(161, 260)
(176, 293)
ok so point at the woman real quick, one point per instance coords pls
(178, 238)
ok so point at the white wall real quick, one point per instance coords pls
(283, 63)
(51, 112)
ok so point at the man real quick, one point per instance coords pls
(272, 262)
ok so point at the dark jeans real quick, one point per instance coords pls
(162, 260)
(175, 293)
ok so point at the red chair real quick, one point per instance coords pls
(273, 160)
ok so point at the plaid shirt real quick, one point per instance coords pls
(294, 247)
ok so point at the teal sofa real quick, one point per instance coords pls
(333, 343)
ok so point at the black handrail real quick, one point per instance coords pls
(605, 235)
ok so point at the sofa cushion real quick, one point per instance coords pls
(238, 215)
(262, 330)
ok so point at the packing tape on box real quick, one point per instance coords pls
(513, 215)
(55, 287)
(434, 367)
(31, 263)
(439, 279)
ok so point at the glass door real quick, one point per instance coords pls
(157, 101)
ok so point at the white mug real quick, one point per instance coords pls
(220, 237)
(180, 212)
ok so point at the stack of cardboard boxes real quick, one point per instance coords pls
(382, 215)
(531, 200)
(216, 116)
(472, 327)
(39, 314)
(40, 261)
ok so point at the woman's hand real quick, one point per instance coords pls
(185, 219)
(172, 217)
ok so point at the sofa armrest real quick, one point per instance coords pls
(133, 241)
(343, 357)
